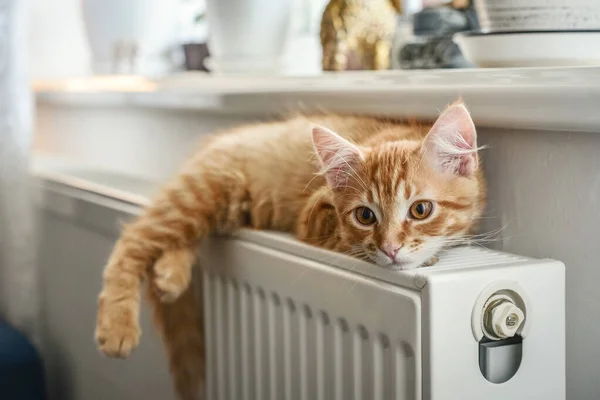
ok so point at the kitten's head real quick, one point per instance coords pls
(401, 202)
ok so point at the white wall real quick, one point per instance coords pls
(545, 188)
(149, 143)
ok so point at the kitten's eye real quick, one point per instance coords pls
(365, 216)
(421, 209)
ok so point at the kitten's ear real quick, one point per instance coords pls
(339, 158)
(451, 144)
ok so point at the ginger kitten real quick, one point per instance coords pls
(381, 191)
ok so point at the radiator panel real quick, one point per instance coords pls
(286, 320)
(273, 339)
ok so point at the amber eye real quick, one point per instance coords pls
(365, 216)
(421, 209)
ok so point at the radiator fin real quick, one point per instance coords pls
(474, 257)
(263, 346)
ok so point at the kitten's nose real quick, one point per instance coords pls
(390, 250)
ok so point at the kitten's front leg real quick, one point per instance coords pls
(117, 328)
(158, 246)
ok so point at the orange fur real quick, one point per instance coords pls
(266, 176)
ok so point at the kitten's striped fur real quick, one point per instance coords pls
(265, 176)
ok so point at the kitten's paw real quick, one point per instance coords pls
(173, 273)
(117, 330)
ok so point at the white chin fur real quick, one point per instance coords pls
(382, 260)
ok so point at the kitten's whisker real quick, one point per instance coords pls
(355, 174)
(478, 239)
(316, 175)
(485, 217)
(488, 234)
(356, 254)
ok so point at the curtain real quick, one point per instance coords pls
(18, 277)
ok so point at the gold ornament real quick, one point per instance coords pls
(358, 34)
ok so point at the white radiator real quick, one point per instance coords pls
(287, 321)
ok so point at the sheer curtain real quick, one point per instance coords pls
(18, 277)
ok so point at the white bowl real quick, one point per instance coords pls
(530, 49)
(243, 65)
(537, 15)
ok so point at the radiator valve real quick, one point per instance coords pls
(502, 319)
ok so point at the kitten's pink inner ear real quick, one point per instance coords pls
(451, 144)
(339, 158)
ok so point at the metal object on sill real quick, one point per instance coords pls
(432, 45)
(439, 52)
(440, 21)
(358, 35)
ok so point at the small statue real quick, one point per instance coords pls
(357, 34)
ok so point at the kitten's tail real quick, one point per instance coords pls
(181, 327)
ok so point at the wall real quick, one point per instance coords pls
(142, 142)
(544, 189)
